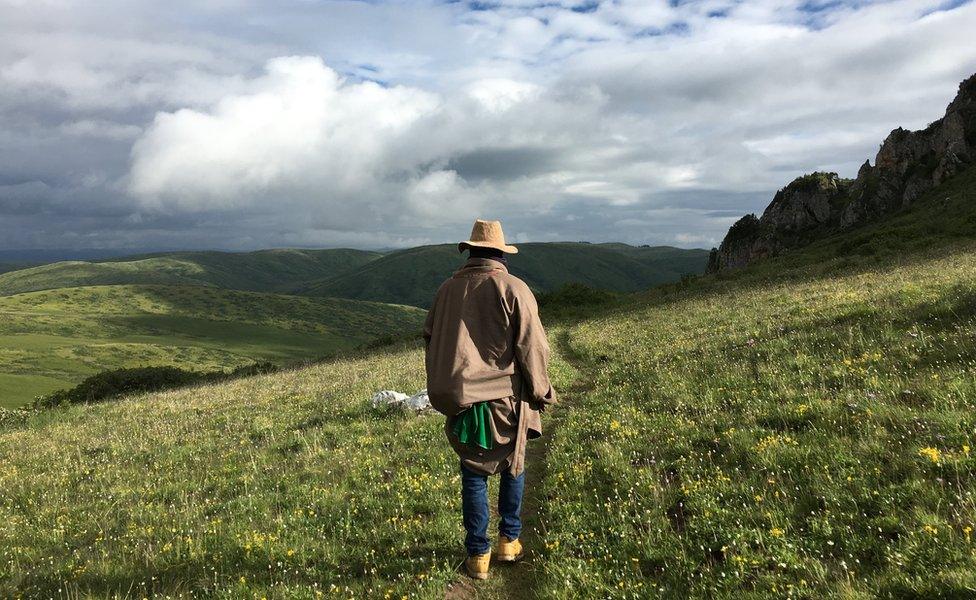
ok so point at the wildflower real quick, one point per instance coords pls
(930, 530)
(776, 532)
(932, 454)
(965, 449)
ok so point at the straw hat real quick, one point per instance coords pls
(487, 234)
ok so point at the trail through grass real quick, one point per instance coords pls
(523, 580)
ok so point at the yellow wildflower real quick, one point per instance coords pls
(932, 454)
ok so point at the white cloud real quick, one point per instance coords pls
(349, 122)
(299, 129)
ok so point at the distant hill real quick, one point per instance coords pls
(403, 277)
(909, 164)
(54, 338)
(413, 276)
(6, 267)
(264, 270)
(210, 310)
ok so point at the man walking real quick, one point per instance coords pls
(487, 361)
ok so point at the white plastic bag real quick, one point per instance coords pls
(385, 399)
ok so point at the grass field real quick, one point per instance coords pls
(801, 429)
(52, 339)
(276, 486)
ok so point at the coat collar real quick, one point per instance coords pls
(482, 264)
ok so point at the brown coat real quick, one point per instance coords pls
(485, 343)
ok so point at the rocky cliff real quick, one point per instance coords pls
(908, 164)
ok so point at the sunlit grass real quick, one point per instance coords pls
(804, 439)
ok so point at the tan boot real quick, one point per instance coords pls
(509, 550)
(477, 566)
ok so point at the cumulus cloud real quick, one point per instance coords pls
(299, 128)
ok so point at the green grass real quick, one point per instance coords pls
(274, 486)
(413, 276)
(61, 336)
(803, 428)
(15, 388)
(264, 270)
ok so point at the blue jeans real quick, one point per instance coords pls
(474, 506)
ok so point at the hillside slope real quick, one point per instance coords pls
(413, 276)
(802, 428)
(264, 270)
(52, 339)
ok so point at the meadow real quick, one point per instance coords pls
(283, 486)
(52, 339)
(800, 429)
(803, 428)
(792, 440)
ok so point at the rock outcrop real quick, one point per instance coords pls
(908, 164)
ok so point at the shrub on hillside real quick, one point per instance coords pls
(109, 384)
(119, 382)
(573, 300)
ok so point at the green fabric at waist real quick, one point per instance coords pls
(472, 425)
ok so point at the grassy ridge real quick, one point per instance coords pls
(412, 276)
(52, 339)
(801, 429)
(264, 270)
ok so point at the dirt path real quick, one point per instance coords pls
(522, 580)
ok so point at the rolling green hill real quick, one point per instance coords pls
(264, 270)
(52, 339)
(5, 267)
(801, 428)
(412, 276)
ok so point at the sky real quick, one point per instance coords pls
(238, 125)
